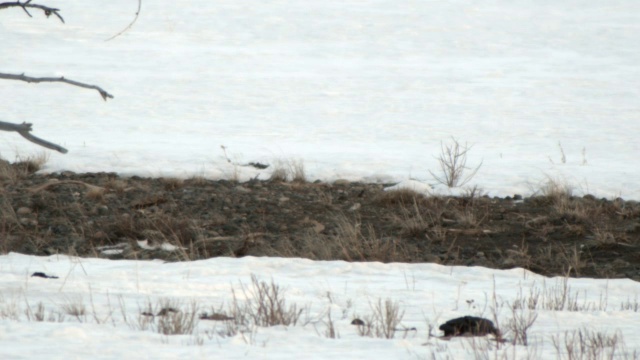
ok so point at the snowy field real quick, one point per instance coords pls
(361, 90)
(113, 295)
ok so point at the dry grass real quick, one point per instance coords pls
(346, 240)
(288, 170)
(197, 181)
(116, 185)
(357, 244)
(402, 196)
(21, 167)
(415, 222)
(172, 184)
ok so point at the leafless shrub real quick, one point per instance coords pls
(35, 315)
(557, 297)
(590, 344)
(521, 321)
(453, 165)
(75, 308)
(182, 321)
(167, 317)
(331, 331)
(472, 194)
(9, 309)
(263, 305)
(266, 305)
(384, 322)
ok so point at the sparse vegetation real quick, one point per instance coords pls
(288, 170)
(553, 232)
(590, 344)
(453, 165)
(262, 304)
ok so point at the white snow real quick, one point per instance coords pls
(360, 90)
(428, 294)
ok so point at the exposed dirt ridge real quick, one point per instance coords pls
(104, 215)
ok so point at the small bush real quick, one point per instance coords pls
(453, 165)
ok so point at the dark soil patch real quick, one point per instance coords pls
(104, 215)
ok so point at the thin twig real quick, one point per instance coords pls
(130, 24)
(29, 79)
(24, 129)
(27, 4)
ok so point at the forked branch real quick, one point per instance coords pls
(28, 5)
(24, 129)
(29, 79)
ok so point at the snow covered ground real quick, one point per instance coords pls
(115, 293)
(362, 90)
(355, 89)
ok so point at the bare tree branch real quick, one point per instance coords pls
(27, 4)
(24, 129)
(29, 79)
(130, 24)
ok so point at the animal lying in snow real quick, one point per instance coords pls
(469, 326)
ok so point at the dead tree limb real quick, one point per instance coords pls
(24, 129)
(27, 4)
(29, 79)
(130, 24)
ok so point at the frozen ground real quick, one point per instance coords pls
(363, 90)
(356, 89)
(428, 294)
